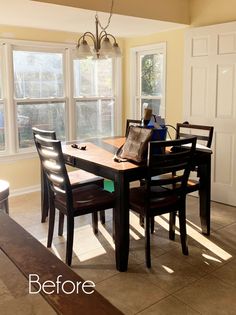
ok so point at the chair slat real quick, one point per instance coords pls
(131, 122)
(173, 156)
(188, 130)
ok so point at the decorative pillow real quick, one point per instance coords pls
(136, 145)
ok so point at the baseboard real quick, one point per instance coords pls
(23, 191)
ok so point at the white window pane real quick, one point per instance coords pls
(44, 116)
(94, 118)
(93, 77)
(38, 74)
(151, 74)
(2, 130)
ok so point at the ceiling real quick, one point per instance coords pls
(26, 13)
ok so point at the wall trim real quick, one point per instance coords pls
(24, 190)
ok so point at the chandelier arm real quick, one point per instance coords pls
(106, 35)
(101, 35)
(89, 34)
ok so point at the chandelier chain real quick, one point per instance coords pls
(109, 19)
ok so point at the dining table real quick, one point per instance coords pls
(97, 157)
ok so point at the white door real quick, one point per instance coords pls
(210, 99)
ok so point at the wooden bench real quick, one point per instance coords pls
(31, 257)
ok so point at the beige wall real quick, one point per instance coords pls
(207, 12)
(174, 72)
(163, 10)
(21, 174)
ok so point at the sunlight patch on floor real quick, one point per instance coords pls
(134, 221)
(52, 249)
(194, 225)
(106, 235)
(86, 244)
(164, 222)
(169, 270)
(209, 257)
(200, 238)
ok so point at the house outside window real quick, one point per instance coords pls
(148, 77)
(94, 97)
(39, 93)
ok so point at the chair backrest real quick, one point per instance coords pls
(131, 122)
(203, 133)
(53, 164)
(50, 134)
(174, 156)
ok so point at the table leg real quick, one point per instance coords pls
(44, 197)
(205, 195)
(122, 222)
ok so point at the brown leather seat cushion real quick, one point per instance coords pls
(161, 199)
(85, 197)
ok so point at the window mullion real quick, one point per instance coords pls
(11, 121)
(30, 100)
(69, 93)
(117, 92)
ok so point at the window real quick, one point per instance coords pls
(148, 75)
(94, 97)
(39, 93)
(2, 130)
(41, 85)
(2, 116)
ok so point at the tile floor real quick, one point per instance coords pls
(202, 283)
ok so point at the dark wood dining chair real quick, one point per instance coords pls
(69, 202)
(131, 122)
(159, 196)
(77, 178)
(204, 135)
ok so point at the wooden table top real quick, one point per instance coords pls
(99, 155)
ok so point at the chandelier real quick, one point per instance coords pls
(104, 44)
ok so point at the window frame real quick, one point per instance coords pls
(135, 70)
(35, 101)
(12, 150)
(116, 97)
(2, 98)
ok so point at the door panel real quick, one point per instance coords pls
(210, 99)
(225, 91)
(198, 91)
